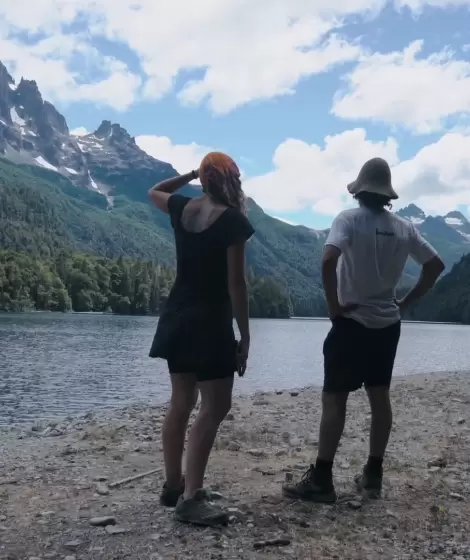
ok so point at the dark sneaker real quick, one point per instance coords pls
(200, 511)
(369, 484)
(170, 496)
(309, 490)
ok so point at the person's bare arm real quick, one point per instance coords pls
(329, 265)
(161, 192)
(238, 291)
(331, 255)
(430, 272)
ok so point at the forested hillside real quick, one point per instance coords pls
(41, 213)
(80, 282)
(449, 301)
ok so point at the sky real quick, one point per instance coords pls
(299, 92)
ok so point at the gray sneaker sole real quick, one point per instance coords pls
(221, 519)
(327, 498)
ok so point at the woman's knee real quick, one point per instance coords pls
(182, 404)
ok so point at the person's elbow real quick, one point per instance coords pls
(434, 267)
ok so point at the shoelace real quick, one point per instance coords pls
(308, 475)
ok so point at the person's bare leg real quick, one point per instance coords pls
(216, 400)
(381, 425)
(381, 420)
(332, 424)
(317, 483)
(183, 399)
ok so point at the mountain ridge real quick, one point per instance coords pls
(100, 182)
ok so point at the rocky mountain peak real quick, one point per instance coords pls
(7, 85)
(113, 132)
(104, 130)
(412, 213)
(5, 77)
(456, 218)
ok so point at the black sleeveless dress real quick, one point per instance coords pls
(195, 330)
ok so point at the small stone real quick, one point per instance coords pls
(73, 545)
(230, 417)
(437, 462)
(289, 476)
(279, 392)
(259, 453)
(101, 479)
(294, 394)
(456, 496)
(271, 542)
(116, 530)
(461, 421)
(102, 521)
(215, 496)
(354, 504)
(102, 489)
(234, 446)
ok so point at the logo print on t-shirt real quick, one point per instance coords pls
(384, 233)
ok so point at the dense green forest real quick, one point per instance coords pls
(82, 282)
(449, 300)
(42, 213)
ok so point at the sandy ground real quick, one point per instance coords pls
(55, 479)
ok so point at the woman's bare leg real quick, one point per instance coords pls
(183, 399)
(216, 400)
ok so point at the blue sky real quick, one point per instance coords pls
(300, 93)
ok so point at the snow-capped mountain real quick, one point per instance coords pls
(33, 132)
(413, 214)
(459, 222)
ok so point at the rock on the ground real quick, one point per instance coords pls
(102, 521)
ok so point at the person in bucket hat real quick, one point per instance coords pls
(363, 260)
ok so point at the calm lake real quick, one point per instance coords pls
(53, 365)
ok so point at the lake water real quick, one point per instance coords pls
(53, 365)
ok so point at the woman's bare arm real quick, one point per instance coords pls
(161, 192)
(238, 288)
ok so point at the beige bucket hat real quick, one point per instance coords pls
(374, 177)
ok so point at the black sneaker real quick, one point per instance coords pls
(170, 496)
(200, 511)
(309, 490)
(370, 484)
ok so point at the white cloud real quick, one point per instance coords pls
(310, 175)
(400, 88)
(242, 50)
(98, 78)
(183, 157)
(80, 131)
(245, 50)
(286, 221)
(437, 178)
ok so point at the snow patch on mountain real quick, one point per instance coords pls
(16, 118)
(43, 163)
(453, 221)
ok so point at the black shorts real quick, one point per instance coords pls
(220, 371)
(355, 355)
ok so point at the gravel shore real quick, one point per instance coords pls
(62, 494)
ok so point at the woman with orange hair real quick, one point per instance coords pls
(195, 331)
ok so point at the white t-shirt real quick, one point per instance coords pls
(374, 249)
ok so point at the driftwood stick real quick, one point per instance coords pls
(132, 478)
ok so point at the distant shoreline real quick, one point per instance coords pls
(293, 318)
